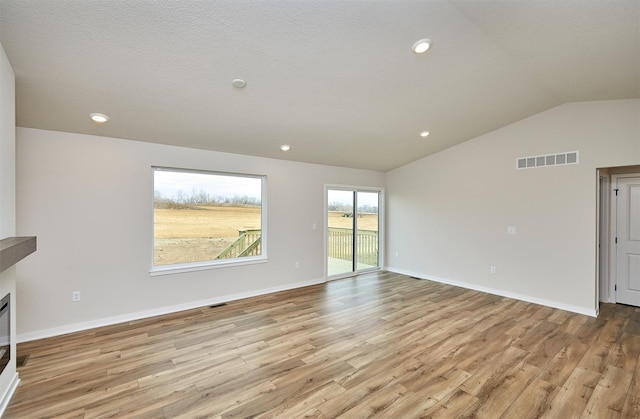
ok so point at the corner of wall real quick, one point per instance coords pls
(9, 377)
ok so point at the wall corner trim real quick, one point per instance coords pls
(8, 394)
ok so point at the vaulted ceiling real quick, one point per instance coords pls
(335, 79)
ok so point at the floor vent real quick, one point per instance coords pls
(218, 305)
(21, 361)
(558, 159)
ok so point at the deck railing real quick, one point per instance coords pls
(340, 245)
(247, 244)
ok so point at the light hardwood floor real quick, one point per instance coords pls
(381, 344)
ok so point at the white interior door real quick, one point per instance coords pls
(628, 240)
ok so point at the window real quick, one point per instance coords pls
(205, 219)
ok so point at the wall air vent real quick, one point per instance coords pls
(558, 159)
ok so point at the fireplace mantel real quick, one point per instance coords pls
(14, 249)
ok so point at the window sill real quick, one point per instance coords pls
(203, 266)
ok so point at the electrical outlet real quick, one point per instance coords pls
(297, 265)
(397, 254)
(492, 270)
(75, 296)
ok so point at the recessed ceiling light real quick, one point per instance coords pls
(99, 118)
(285, 147)
(424, 134)
(239, 83)
(421, 46)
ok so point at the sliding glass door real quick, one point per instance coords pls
(367, 237)
(353, 237)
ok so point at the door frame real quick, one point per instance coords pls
(603, 292)
(381, 229)
(606, 219)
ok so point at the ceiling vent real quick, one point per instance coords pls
(558, 159)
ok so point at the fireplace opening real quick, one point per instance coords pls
(5, 332)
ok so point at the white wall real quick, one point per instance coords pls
(9, 377)
(7, 148)
(89, 201)
(447, 214)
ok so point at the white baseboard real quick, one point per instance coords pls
(8, 394)
(78, 327)
(502, 293)
(108, 321)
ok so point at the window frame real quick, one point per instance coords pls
(210, 264)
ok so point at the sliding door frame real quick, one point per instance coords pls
(381, 229)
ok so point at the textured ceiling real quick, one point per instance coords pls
(335, 79)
